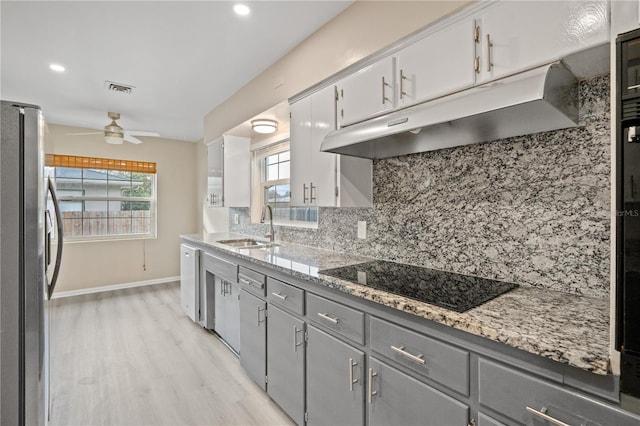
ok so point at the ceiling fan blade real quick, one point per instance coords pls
(129, 138)
(82, 134)
(140, 133)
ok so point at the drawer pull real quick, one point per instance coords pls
(280, 296)
(542, 413)
(252, 283)
(371, 392)
(352, 381)
(333, 321)
(416, 358)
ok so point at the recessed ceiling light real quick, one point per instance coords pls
(241, 9)
(56, 67)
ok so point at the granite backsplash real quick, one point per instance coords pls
(533, 210)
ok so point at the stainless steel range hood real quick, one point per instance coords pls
(537, 100)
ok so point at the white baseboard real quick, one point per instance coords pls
(60, 294)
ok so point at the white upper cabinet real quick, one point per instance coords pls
(215, 155)
(318, 178)
(322, 184)
(366, 93)
(229, 172)
(300, 151)
(516, 35)
(492, 41)
(441, 63)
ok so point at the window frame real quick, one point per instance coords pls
(152, 200)
(260, 184)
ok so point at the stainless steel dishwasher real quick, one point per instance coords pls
(189, 279)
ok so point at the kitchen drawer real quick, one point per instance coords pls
(334, 316)
(221, 268)
(516, 394)
(252, 281)
(430, 358)
(484, 420)
(285, 295)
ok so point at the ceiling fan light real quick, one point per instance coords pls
(114, 138)
(264, 126)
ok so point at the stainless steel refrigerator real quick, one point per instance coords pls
(27, 276)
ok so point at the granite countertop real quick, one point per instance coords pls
(567, 328)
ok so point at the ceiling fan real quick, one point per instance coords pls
(114, 134)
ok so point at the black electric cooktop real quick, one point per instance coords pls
(445, 289)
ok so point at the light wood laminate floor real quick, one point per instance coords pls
(131, 357)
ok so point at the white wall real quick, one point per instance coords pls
(102, 263)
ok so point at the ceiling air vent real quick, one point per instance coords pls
(118, 88)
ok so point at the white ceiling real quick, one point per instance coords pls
(183, 57)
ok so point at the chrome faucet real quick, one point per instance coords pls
(272, 234)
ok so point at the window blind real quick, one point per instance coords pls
(272, 149)
(56, 160)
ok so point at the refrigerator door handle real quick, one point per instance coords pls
(48, 223)
(56, 269)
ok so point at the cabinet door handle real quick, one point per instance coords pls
(384, 96)
(311, 187)
(476, 39)
(280, 296)
(371, 392)
(416, 358)
(352, 381)
(333, 321)
(542, 413)
(265, 318)
(402, 79)
(304, 193)
(489, 48)
(295, 338)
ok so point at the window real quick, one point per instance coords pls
(104, 198)
(273, 167)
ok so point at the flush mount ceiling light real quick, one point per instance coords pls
(264, 126)
(241, 9)
(56, 67)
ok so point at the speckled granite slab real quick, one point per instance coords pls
(567, 328)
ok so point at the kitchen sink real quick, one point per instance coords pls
(248, 243)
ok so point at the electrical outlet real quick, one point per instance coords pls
(236, 219)
(362, 229)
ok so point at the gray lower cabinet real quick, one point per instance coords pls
(335, 381)
(227, 312)
(395, 398)
(285, 362)
(338, 380)
(533, 401)
(253, 337)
